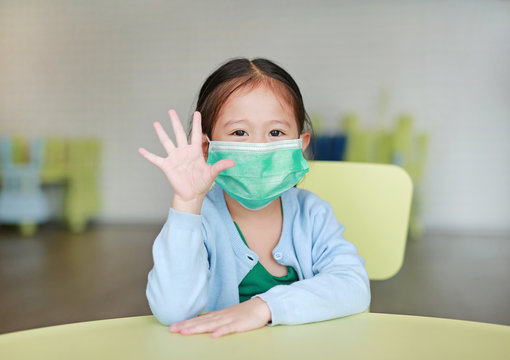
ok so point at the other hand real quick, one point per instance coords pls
(249, 315)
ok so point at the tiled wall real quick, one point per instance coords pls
(109, 69)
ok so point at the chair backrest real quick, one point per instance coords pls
(373, 201)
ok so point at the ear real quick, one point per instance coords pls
(305, 138)
(205, 147)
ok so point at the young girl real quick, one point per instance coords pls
(253, 249)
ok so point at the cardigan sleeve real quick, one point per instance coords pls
(339, 287)
(177, 284)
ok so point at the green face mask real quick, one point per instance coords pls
(263, 171)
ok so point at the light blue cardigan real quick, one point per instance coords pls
(199, 261)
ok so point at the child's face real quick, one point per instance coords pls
(256, 115)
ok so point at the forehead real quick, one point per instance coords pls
(262, 101)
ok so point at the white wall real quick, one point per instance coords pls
(111, 68)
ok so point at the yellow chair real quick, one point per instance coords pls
(83, 200)
(373, 201)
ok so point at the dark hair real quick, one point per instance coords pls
(241, 72)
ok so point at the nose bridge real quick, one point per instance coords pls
(259, 136)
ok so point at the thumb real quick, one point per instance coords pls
(222, 165)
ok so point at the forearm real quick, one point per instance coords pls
(325, 296)
(177, 284)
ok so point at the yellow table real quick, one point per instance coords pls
(364, 336)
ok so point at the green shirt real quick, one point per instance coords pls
(259, 280)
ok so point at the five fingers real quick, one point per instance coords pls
(218, 326)
(180, 135)
(181, 140)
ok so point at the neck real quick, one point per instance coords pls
(237, 211)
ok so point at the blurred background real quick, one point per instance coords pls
(90, 77)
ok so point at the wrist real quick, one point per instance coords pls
(265, 311)
(193, 206)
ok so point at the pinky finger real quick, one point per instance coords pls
(154, 159)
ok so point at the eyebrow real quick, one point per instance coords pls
(278, 121)
(237, 121)
(234, 121)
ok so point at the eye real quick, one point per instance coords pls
(239, 133)
(276, 133)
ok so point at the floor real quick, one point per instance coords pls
(464, 277)
(56, 277)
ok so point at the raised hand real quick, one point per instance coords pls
(185, 167)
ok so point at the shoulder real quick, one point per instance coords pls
(310, 211)
(307, 202)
